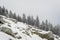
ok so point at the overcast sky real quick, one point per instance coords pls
(45, 9)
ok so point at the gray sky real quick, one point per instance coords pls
(45, 9)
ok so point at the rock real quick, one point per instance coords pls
(7, 30)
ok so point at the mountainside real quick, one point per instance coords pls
(11, 29)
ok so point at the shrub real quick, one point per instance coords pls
(8, 31)
(1, 22)
(10, 39)
(51, 39)
(26, 33)
(47, 36)
(19, 37)
(16, 33)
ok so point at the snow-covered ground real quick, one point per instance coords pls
(12, 30)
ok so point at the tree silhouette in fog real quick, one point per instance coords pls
(47, 26)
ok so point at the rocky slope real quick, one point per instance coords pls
(11, 29)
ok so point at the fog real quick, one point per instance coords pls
(45, 9)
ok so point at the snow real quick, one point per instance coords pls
(44, 32)
(4, 36)
(21, 25)
(6, 20)
(19, 28)
(36, 37)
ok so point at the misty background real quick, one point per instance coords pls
(45, 9)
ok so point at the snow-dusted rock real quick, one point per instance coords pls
(22, 31)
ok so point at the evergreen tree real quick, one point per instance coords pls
(57, 30)
(32, 21)
(43, 25)
(19, 18)
(46, 25)
(10, 14)
(3, 11)
(24, 18)
(37, 22)
(0, 11)
(14, 16)
(29, 20)
(50, 26)
(7, 15)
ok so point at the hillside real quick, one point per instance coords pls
(11, 29)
